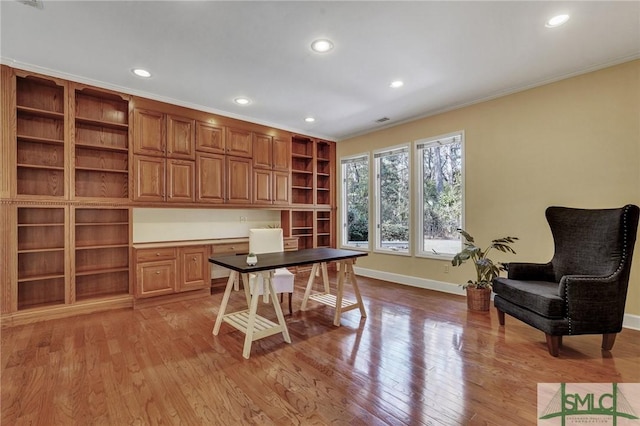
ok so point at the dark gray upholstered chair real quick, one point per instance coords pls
(583, 289)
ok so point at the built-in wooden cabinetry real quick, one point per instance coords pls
(311, 217)
(42, 273)
(76, 159)
(38, 116)
(101, 252)
(164, 157)
(100, 137)
(271, 169)
(171, 269)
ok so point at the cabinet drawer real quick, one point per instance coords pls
(152, 254)
(230, 248)
(290, 244)
(156, 278)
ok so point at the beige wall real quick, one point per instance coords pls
(574, 143)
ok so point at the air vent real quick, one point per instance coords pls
(33, 3)
(382, 120)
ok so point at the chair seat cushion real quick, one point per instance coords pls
(540, 297)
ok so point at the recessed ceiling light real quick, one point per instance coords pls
(556, 21)
(321, 45)
(242, 101)
(309, 119)
(141, 72)
(396, 84)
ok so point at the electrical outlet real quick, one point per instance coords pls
(446, 269)
(243, 218)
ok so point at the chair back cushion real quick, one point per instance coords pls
(588, 242)
(267, 240)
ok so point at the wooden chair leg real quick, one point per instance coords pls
(608, 340)
(290, 306)
(553, 344)
(500, 316)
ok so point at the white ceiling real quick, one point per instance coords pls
(204, 54)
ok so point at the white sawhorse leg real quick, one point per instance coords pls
(248, 321)
(337, 301)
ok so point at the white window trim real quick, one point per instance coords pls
(419, 249)
(376, 210)
(343, 204)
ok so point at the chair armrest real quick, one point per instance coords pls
(589, 297)
(531, 271)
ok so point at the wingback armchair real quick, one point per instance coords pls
(583, 289)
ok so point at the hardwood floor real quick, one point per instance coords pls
(419, 358)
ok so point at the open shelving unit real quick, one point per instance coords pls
(101, 252)
(41, 257)
(323, 173)
(302, 169)
(323, 228)
(312, 193)
(101, 141)
(40, 136)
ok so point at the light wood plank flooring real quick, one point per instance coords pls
(418, 359)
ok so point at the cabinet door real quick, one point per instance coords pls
(148, 131)
(210, 178)
(180, 179)
(181, 138)
(149, 175)
(282, 154)
(262, 151)
(155, 278)
(193, 268)
(239, 142)
(281, 193)
(238, 180)
(262, 186)
(209, 138)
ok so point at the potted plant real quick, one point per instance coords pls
(252, 259)
(479, 290)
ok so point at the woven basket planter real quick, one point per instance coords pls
(478, 298)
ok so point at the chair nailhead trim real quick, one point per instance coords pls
(621, 266)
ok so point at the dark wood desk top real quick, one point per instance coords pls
(284, 259)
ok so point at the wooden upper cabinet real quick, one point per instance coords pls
(262, 151)
(210, 138)
(149, 174)
(181, 137)
(281, 188)
(239, 142)
(282, 154)
(181, 181)
(149, 132)
(238, 175)
(210, 178)
(262, 186)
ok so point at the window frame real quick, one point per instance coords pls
(344, 203)
(377, 248)
(419, 200)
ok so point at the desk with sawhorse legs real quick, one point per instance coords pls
(257, 327)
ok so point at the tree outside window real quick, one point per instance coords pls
(393, 200)
(440, 205)
(355, 201)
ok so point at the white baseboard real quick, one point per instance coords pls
(630, 321)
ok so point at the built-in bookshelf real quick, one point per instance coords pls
(101, 252)
(302, 169)
(40, 136)
(41, 257)
(101, 141)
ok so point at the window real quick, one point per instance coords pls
(355, 201)
(392, 200)
(440, 181)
